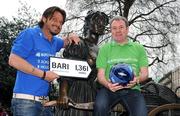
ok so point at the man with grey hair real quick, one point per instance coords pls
(121, 50)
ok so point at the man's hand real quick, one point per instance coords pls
(50, 76)
(132, 83)
(114, 87)
(72, 37)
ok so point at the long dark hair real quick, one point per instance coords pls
(48, 13)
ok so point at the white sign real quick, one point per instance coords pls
(69, 68)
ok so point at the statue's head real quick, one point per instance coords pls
(95, 23)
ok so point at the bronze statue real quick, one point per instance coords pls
(81, 90)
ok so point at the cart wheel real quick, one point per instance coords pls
(162, 108)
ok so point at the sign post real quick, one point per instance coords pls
(70, 68)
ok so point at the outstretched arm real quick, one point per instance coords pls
(21, 64)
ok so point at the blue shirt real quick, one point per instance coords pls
(32, 45)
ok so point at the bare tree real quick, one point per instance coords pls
(154, 23)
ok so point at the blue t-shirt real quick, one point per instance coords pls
(32, 45)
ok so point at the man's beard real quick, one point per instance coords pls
(53, 33)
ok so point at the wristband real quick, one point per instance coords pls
(44, 75)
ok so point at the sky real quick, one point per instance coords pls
(9, 8)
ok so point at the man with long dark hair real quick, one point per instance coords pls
(30, 56)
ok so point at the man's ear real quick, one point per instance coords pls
(44, 19)
(127, 30)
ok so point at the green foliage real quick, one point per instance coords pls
(8, 32)
(7, 73)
